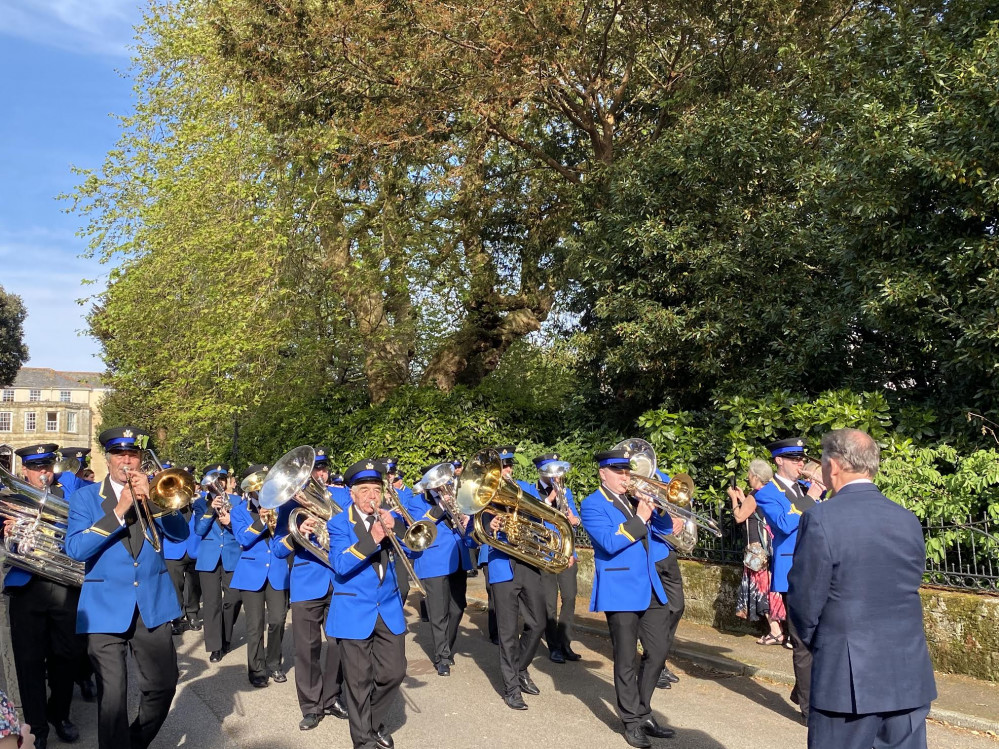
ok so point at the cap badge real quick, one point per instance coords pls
(370, 466)
(267, 468)
(800, 443)
(127, 434)
(627, 454)
(40, 450)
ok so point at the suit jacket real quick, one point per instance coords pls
(782, 517)
(257, 563)
(311, 577)
(122, 570)
(359, 597)
(625, 576)
(449, 551)
(217, 542)
(174, 550)
(854, 600)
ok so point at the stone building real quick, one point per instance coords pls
(43, 405)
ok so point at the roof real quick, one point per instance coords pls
(40, 377)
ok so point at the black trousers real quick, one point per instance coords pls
(222, 606)
(373, 669)
(445, 605)
(801, 658)
(156, 664)
(902, 729)
(402, 577)
(45, 643)
(266, 608)
(520, 596)
(490, 606)
(634, 679)
(318, 685)
(559, 624)
(672, 580)
(187, 583)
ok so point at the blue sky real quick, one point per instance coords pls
(63, 63)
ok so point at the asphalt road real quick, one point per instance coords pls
(216, 706)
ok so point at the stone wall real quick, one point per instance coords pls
(962, 629)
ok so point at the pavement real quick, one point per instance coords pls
(732, 694)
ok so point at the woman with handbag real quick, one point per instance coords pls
(755, 599)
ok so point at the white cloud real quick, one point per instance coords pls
(43, 268)
(96, 26)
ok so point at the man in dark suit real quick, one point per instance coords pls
(127, 602)
(854, 600)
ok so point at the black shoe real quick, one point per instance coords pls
(216, 656)
(515, 702)
(87, 690)
(570, 655)
(526, 685)
(655, 730)
(65, 730)
(636, 737)
(669, 675)
(338, 710)
(494, 640)
(279, 677)
(794, 695)
(258, 682)
(384, 739)
(662, 682)
(556, 656)
(41, 743)
(310, 721)
(472, 573)
(443, 669)
(194, 623)
(177, 627)
(450, 660)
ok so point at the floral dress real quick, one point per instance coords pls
(9, 725)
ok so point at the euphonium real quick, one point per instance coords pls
(674, 497)
(37, 541)
(290, 480)
(483, 491)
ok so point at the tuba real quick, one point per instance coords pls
(440, 478)
(37, 541)
(290, 479)
(674, 497)
(482, 491)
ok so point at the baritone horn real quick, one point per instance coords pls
(523, 535)
(291, 480)
(674, 497)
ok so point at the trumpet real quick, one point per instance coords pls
(440, 479)
(172, 489)
(290, 480)
(674, 497)
(482, 491)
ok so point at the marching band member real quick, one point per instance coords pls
(263, 580)
(627, 588)
(558, 624)
(181, 564)
(442, 568)
(218, 553)
(319, 684)
(782, 502)
(127, 601)
(69, 481)
(668, 567)
(516, 589)
(366, 615)
(43, 623)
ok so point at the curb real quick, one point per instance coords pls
(738, 668)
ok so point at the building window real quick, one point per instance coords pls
(29, 421)
(65, 396)
(71, 422)
(6, 419)
(34, 396)
(8, 395)
(51, 421)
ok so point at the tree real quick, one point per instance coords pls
(13, 352)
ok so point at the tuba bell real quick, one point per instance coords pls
(290, 480)
(37, 541)
(482, 491)
(674, 497)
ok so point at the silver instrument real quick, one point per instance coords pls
(440, 479)
(554, 471)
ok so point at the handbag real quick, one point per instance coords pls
(756, 557)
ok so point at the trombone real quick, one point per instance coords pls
(419, 534)
(674, 497)
(171, 488)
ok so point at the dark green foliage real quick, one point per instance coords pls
(13, 352)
